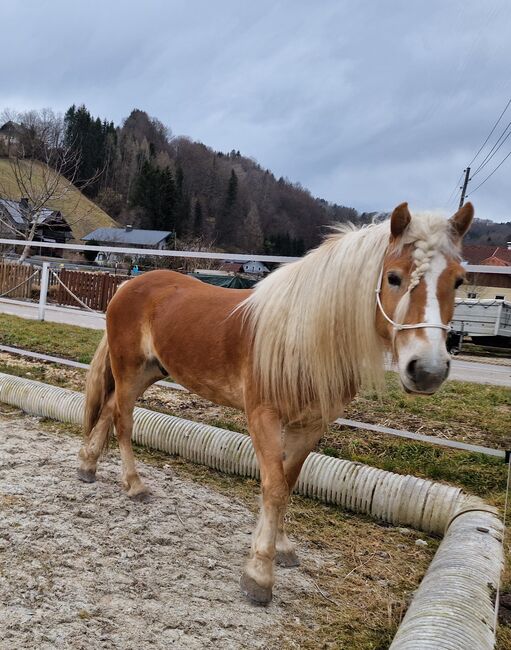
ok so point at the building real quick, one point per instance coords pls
(127, 236)
(253, 268)
(17, 219)
(493, 286)
(476, 253)
(11, 134)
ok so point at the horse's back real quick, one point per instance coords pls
(189, 326)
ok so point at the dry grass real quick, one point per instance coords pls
(82, 214)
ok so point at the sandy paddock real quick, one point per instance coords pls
(82, 567)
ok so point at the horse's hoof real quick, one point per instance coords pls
(287, 558)
(141, 496)
(254, 592)
(86, 475)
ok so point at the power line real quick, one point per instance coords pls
(493, 150)
(455, 190)
(490, 133)
(491, 174)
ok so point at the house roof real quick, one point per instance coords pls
(234, 267)
(15, 211)
(122, 236)
(11, 127)
(495, 261)
(476, 253)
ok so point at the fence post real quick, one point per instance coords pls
(45, 272)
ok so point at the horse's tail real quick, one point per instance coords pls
(99, 386)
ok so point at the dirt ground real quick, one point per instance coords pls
(82, 566)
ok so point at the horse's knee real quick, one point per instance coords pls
(275, 493)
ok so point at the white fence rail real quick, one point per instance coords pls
(242, 257)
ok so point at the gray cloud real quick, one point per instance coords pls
(365, 103)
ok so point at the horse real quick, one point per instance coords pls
(291, 353)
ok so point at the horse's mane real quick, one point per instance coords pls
(313, 320)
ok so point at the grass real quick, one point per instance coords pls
(369, 607)
(82, 214)
(485, 351)
(68, 341)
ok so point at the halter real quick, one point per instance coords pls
(401, 326)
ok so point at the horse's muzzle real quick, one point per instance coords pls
(425, 376)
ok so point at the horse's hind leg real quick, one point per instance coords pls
(299, 441)
(123, 419)
(96, 442)
(265, 429)
(128, 388)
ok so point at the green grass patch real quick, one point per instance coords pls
(67, 341)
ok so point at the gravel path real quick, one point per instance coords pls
(83, 567)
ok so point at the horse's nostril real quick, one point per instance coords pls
(412, 368)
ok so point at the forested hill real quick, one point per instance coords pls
(152, 180)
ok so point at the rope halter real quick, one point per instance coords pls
(401, 326)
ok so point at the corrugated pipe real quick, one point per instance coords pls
(454, 605)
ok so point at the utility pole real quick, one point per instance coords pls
(464, 188)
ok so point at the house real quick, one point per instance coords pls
(487, 285)
(257, 268)
(11, 134)
(127, 236)
(476, 253)
(254, 268)
(17, 218)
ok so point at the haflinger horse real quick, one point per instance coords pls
(292, 352)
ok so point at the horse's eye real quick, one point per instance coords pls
(394, 279)
(458, 283)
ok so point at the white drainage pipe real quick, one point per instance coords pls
(453, 608)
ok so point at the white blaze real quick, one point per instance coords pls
(432, 311)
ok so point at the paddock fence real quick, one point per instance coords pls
(17, 280)
(92, 288)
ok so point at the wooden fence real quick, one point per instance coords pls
(94, 289)
(12, 275)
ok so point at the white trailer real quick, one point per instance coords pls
(487, 322)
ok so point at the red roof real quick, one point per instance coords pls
(479, 254)
(232, 267)
(495, 261)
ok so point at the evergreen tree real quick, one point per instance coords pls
(197, 218)
(90, 140)
(154, 191)
(232, 190)
(225, 222)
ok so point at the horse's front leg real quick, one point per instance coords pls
(265, 428)
(299, 441)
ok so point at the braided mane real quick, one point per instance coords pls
(313, 321)
(429, 233)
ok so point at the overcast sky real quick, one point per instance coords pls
(365, 103)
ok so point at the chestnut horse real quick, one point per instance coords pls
(291, 353)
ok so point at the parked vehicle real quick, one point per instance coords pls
(487, 322)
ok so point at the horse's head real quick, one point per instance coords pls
(420, 274)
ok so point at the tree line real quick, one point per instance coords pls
(141, 175)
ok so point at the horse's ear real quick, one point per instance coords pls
(399, 220)
(461, 221)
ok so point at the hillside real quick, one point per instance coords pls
(152, 179)
(82, 214)
(489, 233)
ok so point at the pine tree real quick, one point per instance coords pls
(154, 191)
(232, 190)
(225, 222)
(197, 218)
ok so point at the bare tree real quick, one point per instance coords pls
(40, 178)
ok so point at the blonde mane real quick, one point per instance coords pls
(313, 320)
